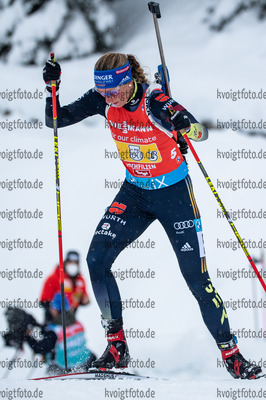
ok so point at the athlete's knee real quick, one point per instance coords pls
(198, 290)
(203, 290)
(99, 263)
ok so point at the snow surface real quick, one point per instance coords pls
(183, 351)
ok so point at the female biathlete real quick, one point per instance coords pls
(157, 186)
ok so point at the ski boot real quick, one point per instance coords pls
(236, 364)
(116, 354)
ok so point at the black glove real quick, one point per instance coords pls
(182, 144)
(180, 121)
(51, 72)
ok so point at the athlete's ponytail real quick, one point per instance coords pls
(136, 69)
(115, 60)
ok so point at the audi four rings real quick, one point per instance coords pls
(184, 224)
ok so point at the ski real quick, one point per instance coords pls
(96, 374)
(260, 376)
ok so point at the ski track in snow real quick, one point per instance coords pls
(172, 389)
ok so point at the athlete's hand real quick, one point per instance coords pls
(180, 121)
(52, 72)
(182, 144)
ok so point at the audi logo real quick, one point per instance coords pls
(184, 225)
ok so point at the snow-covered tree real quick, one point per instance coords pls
(29, 29)
(223, 12)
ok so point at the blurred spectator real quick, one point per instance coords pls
(75, 287)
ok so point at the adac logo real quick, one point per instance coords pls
(117, 208)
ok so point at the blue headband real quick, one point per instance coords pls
(113, 77)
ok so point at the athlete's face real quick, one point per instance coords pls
(118, 96)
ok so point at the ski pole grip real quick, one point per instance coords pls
(52, 58)
(154, 8)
